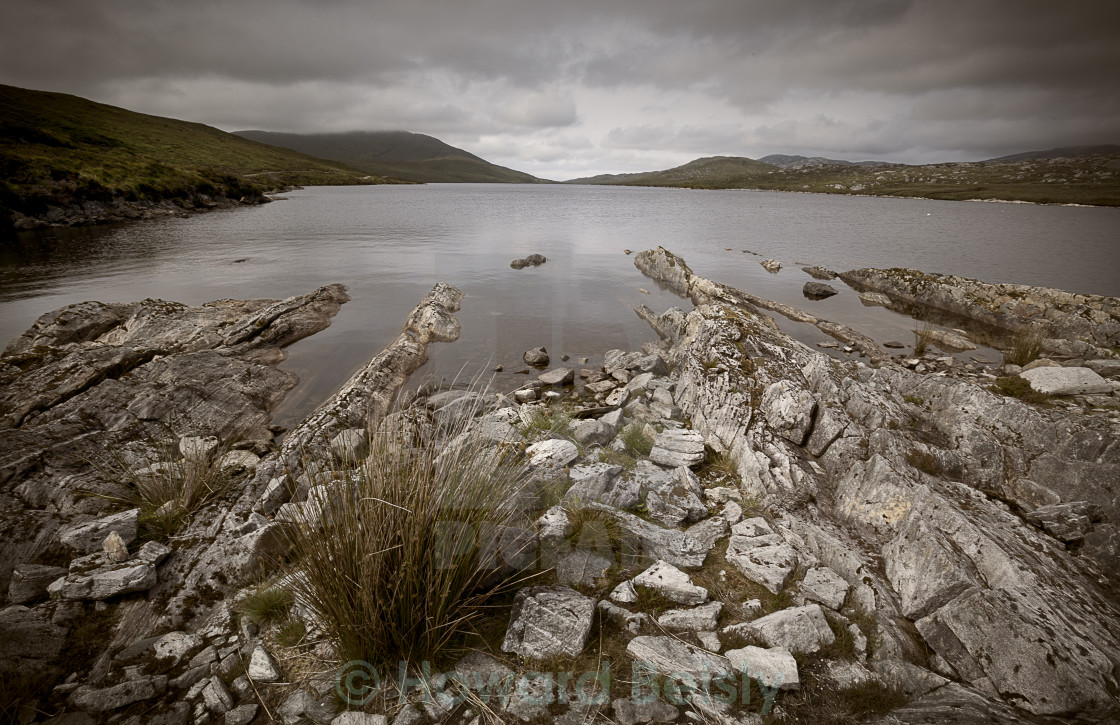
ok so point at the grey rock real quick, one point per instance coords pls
(582, 566)
(1066, 381)
(197, 448)
(602, 483)
(552, 453)
(537, 357)
(1105, 368)
(678, 447)
(675, 547)
(350, 445)
(771, 265)
(629, 711)
(1067, 521)
(788, 410)
(592, 433)
(262, 668)
(874, 299)
(631, 621)
(89, 536)
(948, 341)
(773, 667)
(29, 582)
(217, 697)
(549, 621)
(760, 554)
(558, 376)
(32, 641)
(823, 585)
(242, 715)
(671, 583)
(554, 525)
(670, 656)
(819, 272)
(174, 646)
(798, 629)
(709, 531)
(624, 593)
(359, 718)
(818, 290)
(106, 699)
(697, 619)
(114, 547)
(653, 364)
(239, 462)
(95, 577)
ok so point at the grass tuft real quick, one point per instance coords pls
(404, 556)
(1025, 348)
(637, 443)
(267, 604)
(922, 339)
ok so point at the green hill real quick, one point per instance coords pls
(66, 159)
(1052, 177)
(397, 154)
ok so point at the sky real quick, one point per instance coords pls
(569, 88)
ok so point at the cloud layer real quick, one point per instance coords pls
(580, 87)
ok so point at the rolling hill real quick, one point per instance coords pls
(397, 154)
(69, 160)
(1072, 175)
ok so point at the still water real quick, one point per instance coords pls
(390, 244)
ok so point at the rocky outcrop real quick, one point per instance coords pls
(1076, 325)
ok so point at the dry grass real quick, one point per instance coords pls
(1025, 347)
(398, 564)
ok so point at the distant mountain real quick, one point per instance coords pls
(1073, 175)
(397, 154)
(786, 161)
(1063, 152)
(708, 172)
(67, 160)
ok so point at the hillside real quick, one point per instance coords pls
(68, 160)
(1057, 176)
(397, 154)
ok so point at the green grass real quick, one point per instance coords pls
(1016, 387)
(922, 339)
(57, 149)
(267, 604)
(548, 422)
(291, 633)
(1077, 180)
(397, 567)
(166, 488)
(634, 437)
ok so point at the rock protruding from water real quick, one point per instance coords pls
(819, 273)
(818, 290)
(533, 260)
(537, 357)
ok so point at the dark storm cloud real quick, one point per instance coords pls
(886, 77)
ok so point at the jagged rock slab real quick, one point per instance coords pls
(601, 483)
(697, 619)
(671, 583)
(89, 536)
(30, 581)
(761, 555)
(678, 447)
(670, 656)
(549, 621)
(1066, 381)
(674, 547)
(789, 410)
(773, 667)
(96, 577)
(825, 586)
(552, 453)
(798, 629)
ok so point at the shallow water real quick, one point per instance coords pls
(390, 244)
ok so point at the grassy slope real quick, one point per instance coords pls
(1078, 180)
(57, 149)
(398, 154)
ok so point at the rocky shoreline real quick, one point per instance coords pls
(94, 213)
(886, 532)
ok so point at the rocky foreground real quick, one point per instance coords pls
(724, 511)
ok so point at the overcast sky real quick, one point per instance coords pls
(567, 88)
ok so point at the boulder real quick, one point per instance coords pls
(96, 577)
(552, 453)
(771, 265)
(174, 646)
(29, 582)
(1066, 522)
(675, 547)
(89, 536)
(671, 583)
(818, 290)
(1105, 368)
(678, 447)
(350, 445)
(704, 618)
(602, 483)
(773, 667)
(761, 555)
(557, 376)
(1066, 381)
(788, 410)
(537, 357)
(823, 585)
(261, 667)
(197, 449)
(592, 432)
(548, 622)
(670, 656)
(798, 629)
(106, 699)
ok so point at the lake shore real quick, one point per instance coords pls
(845, 523)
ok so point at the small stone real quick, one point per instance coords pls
(549, 621)
(115, 547)
(197, 449)
(242, 715)
(773, 667)
(698, 619)
(174, 646)
(91, 535)
(557, 376)
(771, 265)
(552, 453)
(261, 666)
